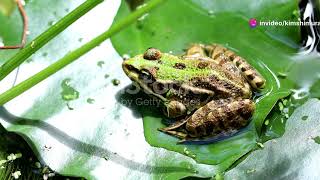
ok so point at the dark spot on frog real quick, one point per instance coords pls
(175, 86)
(152, 54)
(250, 76)
(160, 88)
(259, 84)
(203, 65)
(160, 62)
(179, 66)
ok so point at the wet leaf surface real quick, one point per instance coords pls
(294, 156)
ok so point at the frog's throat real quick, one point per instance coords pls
(135, 77)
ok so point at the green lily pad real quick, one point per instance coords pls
(294, 156)
(197, 24)
(102, 140)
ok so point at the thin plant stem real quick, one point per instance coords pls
(46, 36)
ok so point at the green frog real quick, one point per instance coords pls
(207, 90)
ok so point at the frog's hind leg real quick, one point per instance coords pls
(219, 116)
(222, 55)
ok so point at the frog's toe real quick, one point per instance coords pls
(177, 134)
(174, 109)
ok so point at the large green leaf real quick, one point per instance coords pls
(206, 22)
(96, 137)
(294, 156)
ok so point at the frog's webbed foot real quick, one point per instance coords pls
(224, 56)
(208, 139)
(177, 134)
(173, 129)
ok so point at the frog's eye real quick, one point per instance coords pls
(152, 54)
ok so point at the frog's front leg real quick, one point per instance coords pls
(217, 116)
(174, 109)
(220, 53)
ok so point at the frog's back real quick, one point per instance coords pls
(222, 82)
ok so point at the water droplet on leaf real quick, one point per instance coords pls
(317, 139)
(32, 44)
(90, 100)
(249, 171)
(143, 17)
(51, 23)
(125, 56)
(282, 75)
(68, 93)
(115, 82)
(100, 63)
(260, 145)
(210, 12)
(1, 42)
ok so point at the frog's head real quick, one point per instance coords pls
(161, 67)
(146, 69)
(154, 72)
(142, 67)
(152, 66)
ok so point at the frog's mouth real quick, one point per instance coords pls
(143, 78)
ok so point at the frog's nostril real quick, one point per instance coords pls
(152, 54)
(129, 67)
